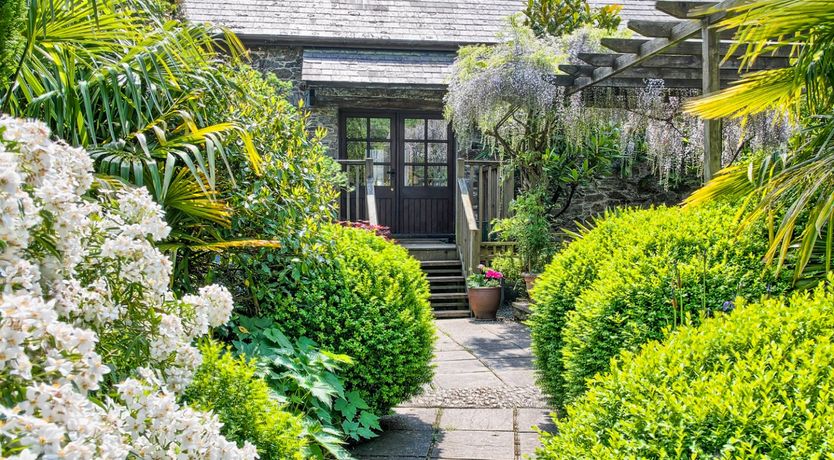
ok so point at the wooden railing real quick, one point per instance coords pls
(355, 205)
(467, 233)
(491, 191)
(491, 194)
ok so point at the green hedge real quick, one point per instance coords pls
(228, 386)
(12, 22)
(753, 384)
(359, 295)
(638, 273)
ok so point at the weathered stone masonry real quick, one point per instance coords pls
(325, 102)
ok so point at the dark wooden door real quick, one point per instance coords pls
(425, 150)
(413, 156)
(371, 134)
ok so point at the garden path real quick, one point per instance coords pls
(481, 405)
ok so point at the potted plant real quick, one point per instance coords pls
(529, 228)
(484, 291)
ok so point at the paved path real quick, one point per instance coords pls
(482, 404)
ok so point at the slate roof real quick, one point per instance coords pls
(383, 22)
(340, 22)
(350, 66)
(376, 42)
(634, 9)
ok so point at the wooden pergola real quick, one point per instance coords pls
(686, 52)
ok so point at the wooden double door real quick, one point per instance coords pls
(413, 154)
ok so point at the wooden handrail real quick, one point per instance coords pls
(476, 209)
(466, 202)
(370, 194)
(467, 233)
(352, 198)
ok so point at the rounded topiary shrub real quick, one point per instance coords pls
(634, 276)
(365, 297)
(752, 384)
(229, 387)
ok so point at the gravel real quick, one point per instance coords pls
(505, 313)
(486, 397)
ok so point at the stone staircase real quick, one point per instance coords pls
(439, 260)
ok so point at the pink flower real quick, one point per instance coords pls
(492, 274)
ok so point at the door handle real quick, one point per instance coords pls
(391, 172)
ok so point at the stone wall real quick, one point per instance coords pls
(284, 62)
(325, 102)
(639, 190)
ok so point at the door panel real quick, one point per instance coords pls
(424, 184)
(413, 168)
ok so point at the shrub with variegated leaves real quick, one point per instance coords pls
(94, 348)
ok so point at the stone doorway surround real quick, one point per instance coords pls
(482, 405)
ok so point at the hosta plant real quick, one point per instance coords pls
(94, 348)
(307, 380)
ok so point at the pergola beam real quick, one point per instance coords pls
(683, 61)
(666, 73)
(569, 81)
(688, 47)
(682, 9)
(662, 29)
(678, 33)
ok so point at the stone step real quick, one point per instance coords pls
(446, 279)
(441, 271)
(450, 306)
(447, 314)
(445, 263)
(447, 288)
(427, 252)
(447, 296)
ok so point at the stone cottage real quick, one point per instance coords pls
(373, 73)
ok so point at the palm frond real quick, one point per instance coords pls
(128, 86)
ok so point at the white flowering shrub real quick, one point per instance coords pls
(94, 348)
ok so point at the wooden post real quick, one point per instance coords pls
(460, 173)
(713, 136)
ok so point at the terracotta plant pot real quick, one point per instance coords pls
(484, 301)
(530, 280)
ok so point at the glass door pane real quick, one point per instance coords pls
(370, 137)
(425, 152)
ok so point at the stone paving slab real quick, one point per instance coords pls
(501, 352)
(410, 419)
(466, 380)
(444, 343)
(475, 445)
(519, 378)
(528, 443)
(396, 444)
(463, 366)
(455, 355)
(526, 419)
(477, 419)
(509, 364)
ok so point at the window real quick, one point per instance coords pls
(426, 152)
(370, 137)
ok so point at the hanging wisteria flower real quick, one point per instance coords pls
(81, 281)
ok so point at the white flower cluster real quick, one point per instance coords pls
(78, 278)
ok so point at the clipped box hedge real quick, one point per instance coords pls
(756, 383)
(365, 297)
(636, 274)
